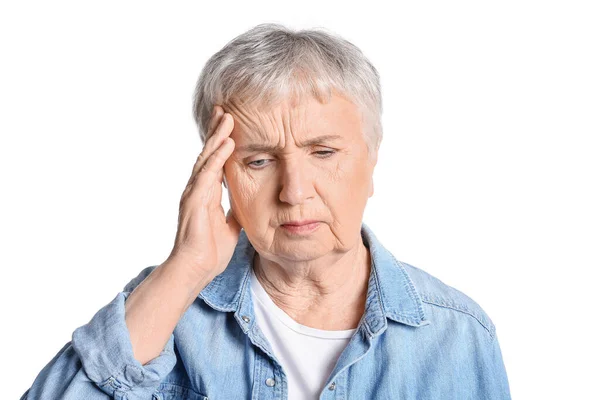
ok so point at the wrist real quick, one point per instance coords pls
(187, 273)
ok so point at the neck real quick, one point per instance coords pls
(326, 293)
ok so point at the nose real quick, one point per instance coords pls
(297, 184)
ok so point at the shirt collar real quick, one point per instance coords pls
(390, 294)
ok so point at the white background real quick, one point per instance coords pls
(487, 176)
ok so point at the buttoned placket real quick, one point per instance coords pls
(336, 387)
(270, 381)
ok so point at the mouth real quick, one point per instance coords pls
(301, 227)
(300, 223)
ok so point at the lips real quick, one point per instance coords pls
(305, 228)
(300, 223)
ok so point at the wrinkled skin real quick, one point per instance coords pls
(311, 276)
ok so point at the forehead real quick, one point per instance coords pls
(308, 122)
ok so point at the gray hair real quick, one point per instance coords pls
(270, 63)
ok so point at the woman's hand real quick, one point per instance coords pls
(206, 237)
(204, 245)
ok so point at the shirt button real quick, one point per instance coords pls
(246, 319)
(332, 386)
(270, 382)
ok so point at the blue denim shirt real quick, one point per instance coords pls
(418, 339)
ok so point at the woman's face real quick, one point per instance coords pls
(328, 180)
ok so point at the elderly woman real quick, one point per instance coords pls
(289, 295)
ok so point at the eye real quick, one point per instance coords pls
(325, 153)
(260, 164)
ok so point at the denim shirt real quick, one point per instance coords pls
(417, 339)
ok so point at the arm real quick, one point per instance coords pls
(99, 362)
(127, 349)
(155, 307)
(493, 382)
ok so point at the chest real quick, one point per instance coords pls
(217, 359)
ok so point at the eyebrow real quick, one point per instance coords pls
(268, 148)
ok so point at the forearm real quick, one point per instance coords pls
(155, 307)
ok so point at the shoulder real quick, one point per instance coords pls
(143, 274)
(437, 294)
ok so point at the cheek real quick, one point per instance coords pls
(343, 187)
(243, 187)
(348, 176)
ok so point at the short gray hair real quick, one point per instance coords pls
(270, 63)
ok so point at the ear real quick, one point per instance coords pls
(374, 161)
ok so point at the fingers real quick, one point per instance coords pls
(217, 159)
(211, 171)
(213, 145)
(223, 129)
(222, 124)
(212, 166)
(217, 113)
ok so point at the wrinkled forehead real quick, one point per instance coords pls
(304, 118)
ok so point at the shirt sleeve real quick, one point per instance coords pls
(493, 381)
(98, 362)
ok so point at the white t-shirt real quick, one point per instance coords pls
(307, 355)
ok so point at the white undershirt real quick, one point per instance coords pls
(306, 354)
